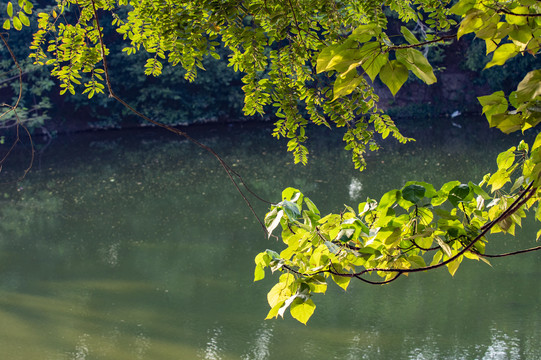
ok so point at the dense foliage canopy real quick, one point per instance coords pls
(316, 63)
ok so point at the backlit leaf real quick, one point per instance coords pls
(415, 61)
(502, 54)
(453, 265)
(10, 9)
(530, 87)
(17, 23)
(408, 35)
(345, 86)
(302, 310)
(374, 59)
(393, 74)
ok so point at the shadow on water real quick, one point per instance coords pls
(134, 245)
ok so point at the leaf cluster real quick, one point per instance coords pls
(275, 44)
(412, 229)
(508, 29)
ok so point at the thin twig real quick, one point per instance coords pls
(230, 172)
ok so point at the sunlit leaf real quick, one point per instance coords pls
(17, 23)
(302, 310)
(530, 87)
(408, 35)
(393, 74)
(10, 9)
(502, 54)
(342, 281)
(415, 61)
(453, 265)
(374, 59)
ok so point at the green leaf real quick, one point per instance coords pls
(259, 273)
(311, 206)
(502, 54)
(413, 193)
(365, 32)
(415, 61)
(479, 191)
(291, 194)
(388, 199)
(374, 59)
(17, 23)
(10, 9)
(344, 86)
(275, 221)
(493, 104)
(444, 247)
(338, 57)
(280, 291)
(458, 193)
(499, 179)
(471, 22)
(530, 87)
(537, 142)
(24, 19)
(507, 123)
(394, 74)
(462, 7)
(453, 265)
(7, 25)
(430, 190)
(506, 159)
(408, 35)
(416, 261)
(518, 20)
(342, 281)
(443, 193)
(302, 310)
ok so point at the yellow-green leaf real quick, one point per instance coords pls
(17, 23)
(518, 20)
(393, 74)
(530, 87)
(342, 281)
(462, 7)
(10, 9)
(24, 19)
(502, 54)
(7, 24)
(302, 310)
(471, 22)
(453, 265)
(415, 61)
(346, 85)
(259, 273)
(408, 35)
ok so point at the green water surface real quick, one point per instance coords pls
(135, 245)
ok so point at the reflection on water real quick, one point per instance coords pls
(136, 246)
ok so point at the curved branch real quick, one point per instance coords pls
(509, 253)
(521, 200)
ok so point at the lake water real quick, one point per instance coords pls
(135, 245)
